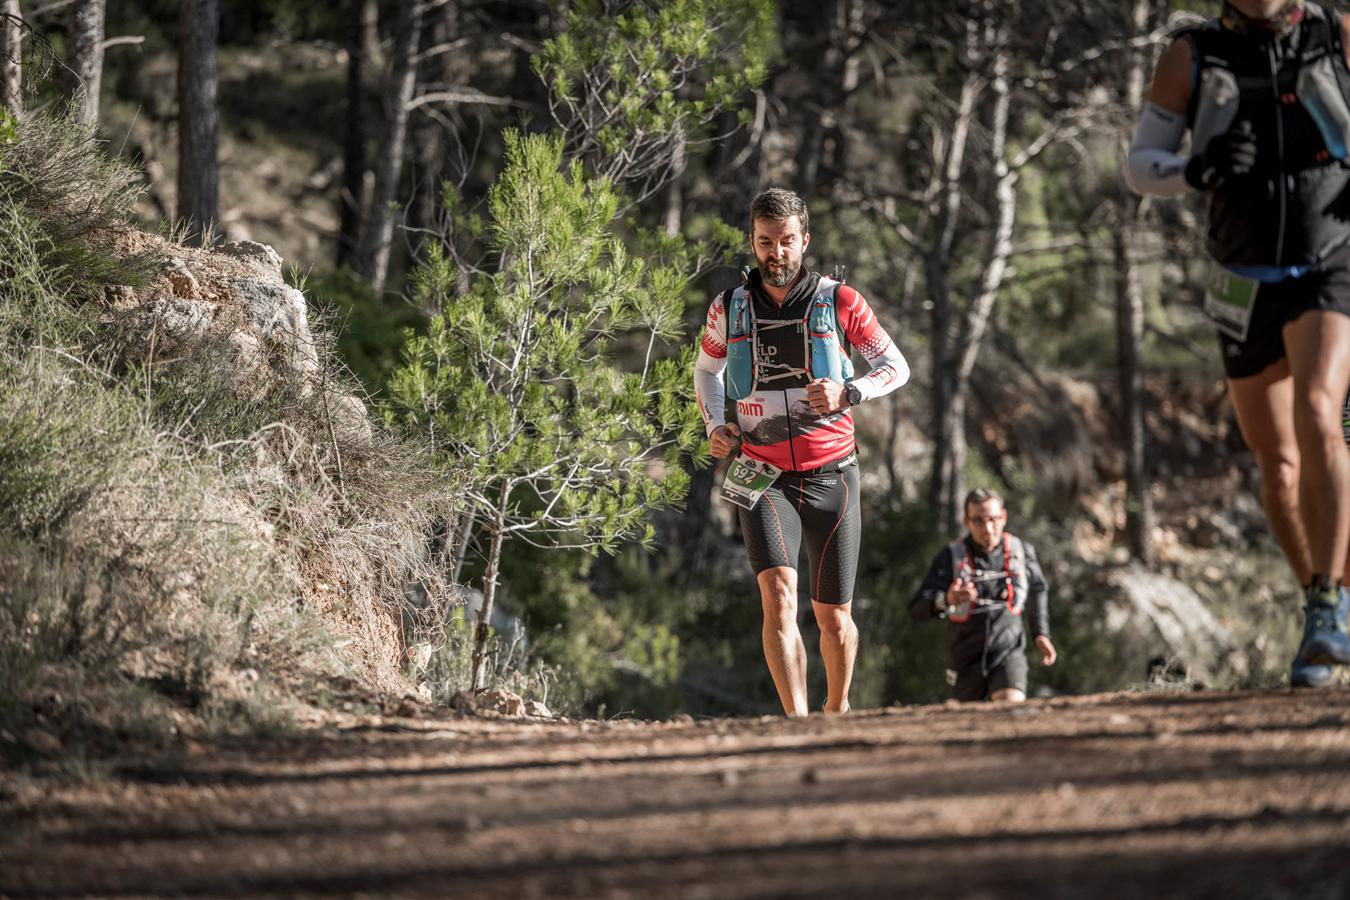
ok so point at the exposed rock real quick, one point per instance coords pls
(248, 355)
(178, 320)
(120, 296)
(279, 314)
(538, 710)
(496, 701)
(350, 421)
(1152, 616)
(260, 256)
(500, 701)
(184, 283)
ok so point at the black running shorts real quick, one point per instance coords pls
(972, 684)
(825, 507)
(1281, 302)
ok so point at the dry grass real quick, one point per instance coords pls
(181, 549)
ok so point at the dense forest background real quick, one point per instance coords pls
(961, 161)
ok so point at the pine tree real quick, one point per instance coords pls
(517, 381)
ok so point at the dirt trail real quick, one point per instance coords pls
(1157, 795)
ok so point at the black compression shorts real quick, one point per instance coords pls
(826, 508)
(1281, 302)
(972, 684)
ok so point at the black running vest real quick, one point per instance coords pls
(1294, 208)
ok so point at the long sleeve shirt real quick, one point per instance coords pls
(986, 639)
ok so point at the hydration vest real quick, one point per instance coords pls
(1015, 578)
(1293, 209)
(748, 370)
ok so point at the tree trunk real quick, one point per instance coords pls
(463, 534)
(368, 23)
(482, 631)
(351, 200)
(428, 131)
(836, 76)
(942, 480)
(1130, 332)
(373, 254)
(198, 118)
(675, 190)
(11, 58)
(83, 72)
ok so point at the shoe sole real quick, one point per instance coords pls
(1318, 677)
(1319, 653)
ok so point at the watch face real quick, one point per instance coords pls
(854, 395)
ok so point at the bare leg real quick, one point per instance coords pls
(1318, 344)
(1007, 695)
(783, 647)
(838, 649)
(1265, 412)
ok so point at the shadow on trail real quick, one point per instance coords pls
(458, 812)
(1029, 743)
(857, 861)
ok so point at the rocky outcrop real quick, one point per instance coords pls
(236, 296)
(1147, 617)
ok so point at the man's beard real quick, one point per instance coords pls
(786, 273)
(1278, 25)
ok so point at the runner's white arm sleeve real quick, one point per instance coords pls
(1153, 165)
(709, 385)
(888, 368)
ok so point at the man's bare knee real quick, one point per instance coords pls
(1317, 415)
(778, 596)
(1278, 465)
(835, 619)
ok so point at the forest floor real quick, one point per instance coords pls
(1243, 794)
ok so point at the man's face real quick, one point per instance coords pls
(778, 246)
(1261, 9)
(985, 522)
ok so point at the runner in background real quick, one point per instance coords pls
(987, 585)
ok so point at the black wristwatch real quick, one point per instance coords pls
(853, 393)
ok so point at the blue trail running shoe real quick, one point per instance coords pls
(1302, 675)
(1324, 639)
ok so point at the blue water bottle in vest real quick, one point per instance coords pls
(826, 360)
(740, 345)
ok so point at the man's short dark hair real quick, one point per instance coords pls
(979, 496)
(778, 205)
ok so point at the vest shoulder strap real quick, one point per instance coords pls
(1017, 553)
(1334, 30)
(957, 551)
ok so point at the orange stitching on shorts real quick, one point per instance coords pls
(826, 548)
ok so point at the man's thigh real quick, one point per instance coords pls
(1011, 675)
(772, 530)
(832, 527)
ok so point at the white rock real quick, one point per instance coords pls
(349, 419)
(280, 316)
(260, 256)
(248, 355)
(177, 319)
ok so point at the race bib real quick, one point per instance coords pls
(1229, 301)
(747, 479)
